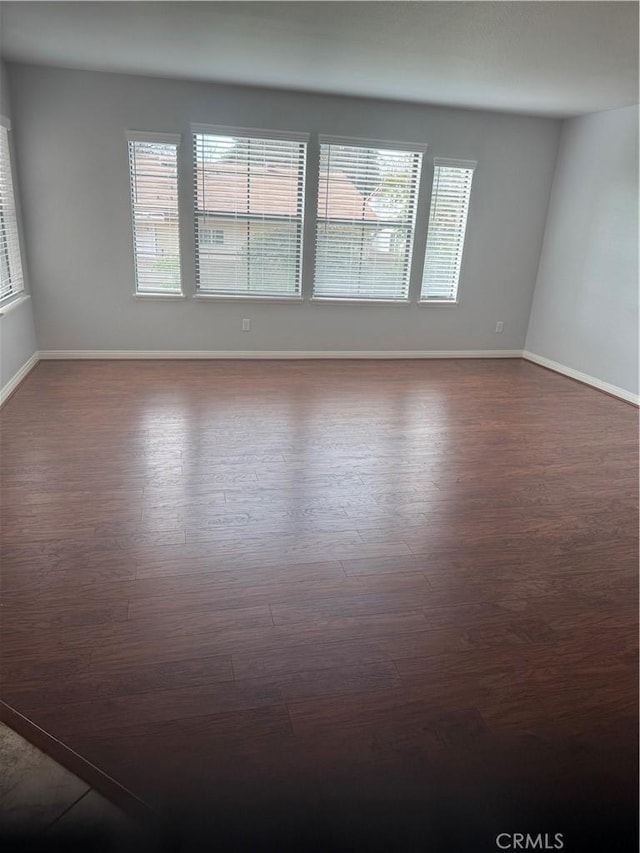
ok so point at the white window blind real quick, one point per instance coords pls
(249, 194)
(11, 279)
(447, 225)
(366, 217)
(153, 170)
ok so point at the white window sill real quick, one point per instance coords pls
(161, 296)
(329, 300)
(438, 302)
(13, 302)
(215, 297)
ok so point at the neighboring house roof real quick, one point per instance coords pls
(270, 190)
(275, 191)
(345, 200)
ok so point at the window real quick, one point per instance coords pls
(153, 170)
(210, 236)
(366, 216)
(249, 199)
(11, 279)
(447, 226)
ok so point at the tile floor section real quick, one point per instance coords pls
(39, 796)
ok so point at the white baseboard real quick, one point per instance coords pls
(582, 377)
(275, 354)
(17, 378)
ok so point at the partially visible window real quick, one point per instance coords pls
(153, 169)
(367, 198)
(447, 226)
(210, 236)
(11, 278)
(249, 200)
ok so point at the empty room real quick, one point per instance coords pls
(319, 425)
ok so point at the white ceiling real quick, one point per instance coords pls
(542, 58)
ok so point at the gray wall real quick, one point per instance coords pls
(17, 334)
(585, 308)
(73, 162)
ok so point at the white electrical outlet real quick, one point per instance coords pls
(246, 325)
(499, 326)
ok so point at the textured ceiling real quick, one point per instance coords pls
(543, 58)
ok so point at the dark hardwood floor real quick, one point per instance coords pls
(225, 581)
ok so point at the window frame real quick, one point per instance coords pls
(175, 139)
(416, 148)
(301, 138)
(13, 258)
(450, 163)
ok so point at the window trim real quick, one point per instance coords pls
(418, 148)
(353, 300)
(18, 293)
(152, 136)
(451, 163)
(159, 296)
(12, 303)
(369, 142)
(168, 139)
(249, 297)
(250, 133)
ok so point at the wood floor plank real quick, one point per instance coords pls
(227, 632)
(105, 717)
(242, 590)
(89, 683)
